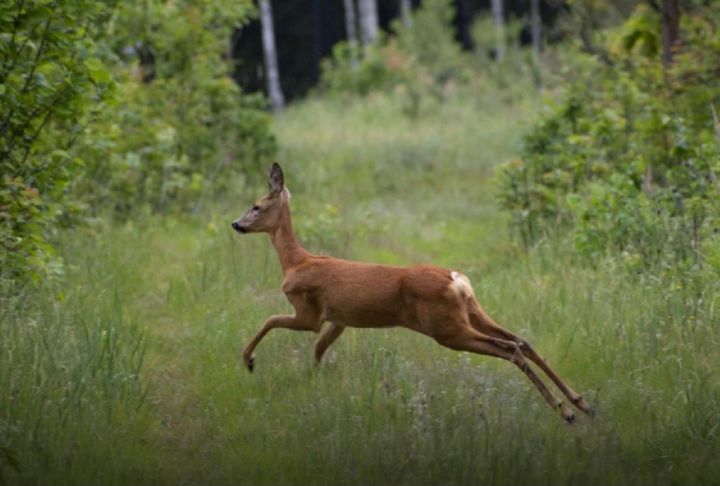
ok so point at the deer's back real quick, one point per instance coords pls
(361, 294)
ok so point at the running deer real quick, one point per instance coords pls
(434, 301)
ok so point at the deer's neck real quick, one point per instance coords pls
(288, 248)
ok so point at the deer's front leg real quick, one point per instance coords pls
(306, 319)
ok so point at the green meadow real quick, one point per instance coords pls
(125, 368)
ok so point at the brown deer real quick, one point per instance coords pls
(434, 301)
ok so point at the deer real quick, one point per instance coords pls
(434, 301)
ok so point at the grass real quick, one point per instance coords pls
(125, 370)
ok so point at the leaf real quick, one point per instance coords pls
(41, 80)
(97, 70)
(60, 154)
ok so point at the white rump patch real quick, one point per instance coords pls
(461, 284)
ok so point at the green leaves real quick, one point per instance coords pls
(97, 70)
(180, 131)
(626, 163)
(126, 111)
(49, 84)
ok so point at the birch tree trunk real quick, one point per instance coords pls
(272, 74)
(368, 21)
(350, 23)
(405, 10)
(499, 18)
(535, 28)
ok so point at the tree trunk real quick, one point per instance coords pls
(463, 21)
(499, 18)
(272, 75)
(350, 22)
(670, 29)
(405, 11)
(535, 28)
(368, 21)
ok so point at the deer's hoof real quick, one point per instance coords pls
(251, 364)
(567, 415)
(584, 406)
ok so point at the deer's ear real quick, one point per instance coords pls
(276, 180)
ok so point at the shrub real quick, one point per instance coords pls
(420, 60)
(119, 105)
(50, 83)
(183, 131)
(628, 160)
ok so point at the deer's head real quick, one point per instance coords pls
(266, 213)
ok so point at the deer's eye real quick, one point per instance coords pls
(256, 208)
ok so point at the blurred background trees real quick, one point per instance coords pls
(118, 107)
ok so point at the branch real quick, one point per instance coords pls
(35, 135)
(589, 46)
(6, 121)
(15, 21)
(37, 56)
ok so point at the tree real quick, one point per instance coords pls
(272, 74)
(350, 23)
(351, 29)
(499, 19)
(670, 29)
(535, 27)
(405, 12)
(369, 25)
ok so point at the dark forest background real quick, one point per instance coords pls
(307, 30)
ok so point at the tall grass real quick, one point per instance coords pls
(126, 371)
(71, 356)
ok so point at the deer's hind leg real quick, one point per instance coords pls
(482, 322)
(469, 339)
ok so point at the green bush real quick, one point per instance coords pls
(50, 84)
(628, 160)
(120, 106)
(183, 131)
(417, 62)
(430, 42)
(342, 73)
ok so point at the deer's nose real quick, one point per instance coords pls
(240, 229)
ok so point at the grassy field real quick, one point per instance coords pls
(125, 370)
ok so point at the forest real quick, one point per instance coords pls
(564, 155)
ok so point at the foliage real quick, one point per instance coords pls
(343, 73)
(182, 132)
(50, 84)
(484, 36)
(628, 159)
(430, 41)
(120, 106)
(518, 70)
(420, 60)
